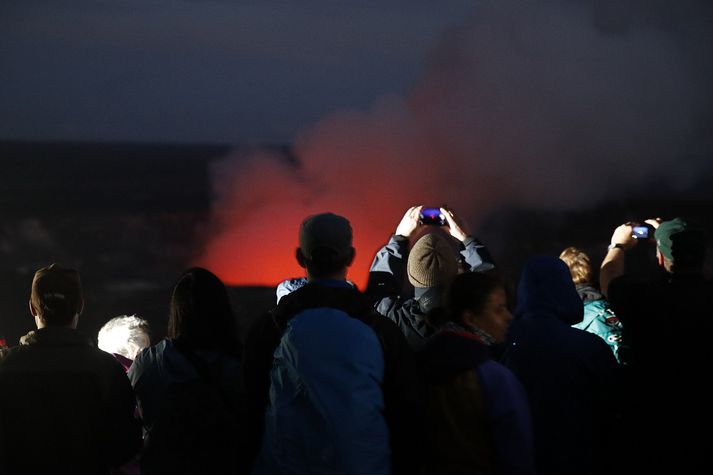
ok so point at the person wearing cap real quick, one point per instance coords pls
(65, 406)
(436, 257)
(667, 322)
(331, 385)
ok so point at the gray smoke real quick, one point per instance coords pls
(545, 104)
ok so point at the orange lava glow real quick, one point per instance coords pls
(265, 255)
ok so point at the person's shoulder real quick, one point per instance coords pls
(497, 375)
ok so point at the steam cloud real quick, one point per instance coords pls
(549, 104)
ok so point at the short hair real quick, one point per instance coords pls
(124, 335)
(579, 265)
(200, 314)
(469, 291)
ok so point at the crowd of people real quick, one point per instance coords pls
(437, 367)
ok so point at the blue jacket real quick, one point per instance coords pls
(332, 384)
(569, 374)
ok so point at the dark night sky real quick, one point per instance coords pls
(209, 71)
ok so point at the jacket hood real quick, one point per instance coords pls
(546, 289)
(588, 293)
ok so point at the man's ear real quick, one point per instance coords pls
(301, 260)
(352, 255)
(33, 311)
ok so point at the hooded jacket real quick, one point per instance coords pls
(569, 374)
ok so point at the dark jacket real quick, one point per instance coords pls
(478, 420)
(396, 299)
(65, 406)
(189, 403)
(667, 323)
(569, 375)
(402, 386)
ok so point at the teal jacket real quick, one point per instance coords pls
(600, 319)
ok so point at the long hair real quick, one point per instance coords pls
(200, 314)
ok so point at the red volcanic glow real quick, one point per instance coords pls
(265, 254)
(369, 168)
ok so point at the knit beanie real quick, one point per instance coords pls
(432, 262)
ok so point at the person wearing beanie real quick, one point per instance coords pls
(65, 405)
(406, 284)
(667, 321)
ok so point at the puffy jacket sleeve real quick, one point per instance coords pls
(476, 255)
(388, 269)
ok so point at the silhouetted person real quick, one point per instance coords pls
(188, 384)
(438, 254)
(332, 385)
(668, 323)
(65, 406)
(569, 374)
(477, 417)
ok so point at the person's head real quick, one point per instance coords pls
(56, 298)
(432, 262)
(479, 300)
(680, 247)
(326, 249)
(579, 265)
(124, 335)
(200, 314)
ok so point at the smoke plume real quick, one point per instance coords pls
(548, 104)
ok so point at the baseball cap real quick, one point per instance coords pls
(57, 291)
(677, 239)
(326, 234)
